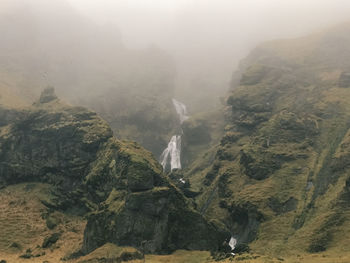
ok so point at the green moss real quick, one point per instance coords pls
(284, 152)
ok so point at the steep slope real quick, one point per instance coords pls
(68, 161)
(279, 178)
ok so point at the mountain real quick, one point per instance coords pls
(88, 64)
(279, 177)
(67, 161)
(271, 168)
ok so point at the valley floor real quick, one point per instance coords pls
(196, 257)
(24, 226)
(204, 257)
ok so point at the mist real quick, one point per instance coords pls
(128, 59)
(206, 38)
(174, 130)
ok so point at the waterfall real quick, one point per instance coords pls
(172, 154)
(232, 244)
(181, 110)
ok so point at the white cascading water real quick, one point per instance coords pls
(172, 154)
(181, 110)
(232, 244)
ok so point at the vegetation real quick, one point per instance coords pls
(117, 185)
(278, 177)
(270, 169)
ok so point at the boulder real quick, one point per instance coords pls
(155, 221)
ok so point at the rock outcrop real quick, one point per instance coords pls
(129, 200)
(48, 95)
(158, 220)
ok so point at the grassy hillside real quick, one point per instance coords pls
(72, 190)
(26, 222)
(279, 177)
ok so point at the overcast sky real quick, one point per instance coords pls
(194, 26)
(167, 21)
(207, 38)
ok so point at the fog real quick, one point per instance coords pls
(206, 38)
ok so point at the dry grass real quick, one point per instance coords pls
(204, 257)
(9, 95)
(21, 222)
(23, 227)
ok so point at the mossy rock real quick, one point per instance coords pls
(155, 221)
(139, 177)
(121, 185)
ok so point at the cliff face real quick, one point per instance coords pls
(279, 176)
(118, 185)
(53, 142)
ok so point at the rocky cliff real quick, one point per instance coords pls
(118, 185)
(278, 178)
